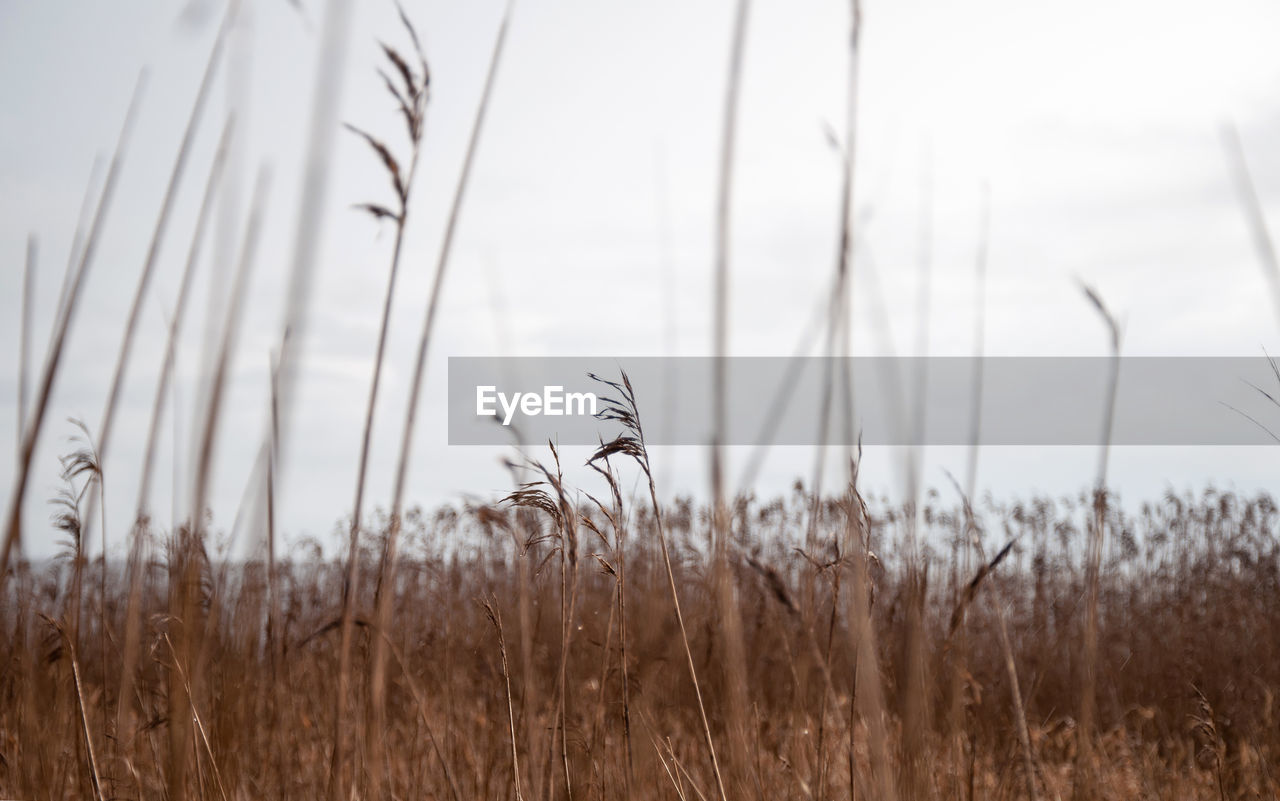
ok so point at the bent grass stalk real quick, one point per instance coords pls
(1083, 786)
(632, 444)
(619, 567)
(565, 519)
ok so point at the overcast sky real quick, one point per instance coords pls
(588, 227)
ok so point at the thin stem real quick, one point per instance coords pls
(61, 329)
(157, 236)
(350, 588)
(24, 341)
(124, 710)
(734, 655)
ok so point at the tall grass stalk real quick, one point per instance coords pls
(867, 703)
(331, 58)
(1254, 213)
(409, 90)
(143, 516)
(86, 731)
(973, 537)
(618, 521)
(1085, 779)
(733, 657)
(84, 218)
(176, 174)
(24, 333)
(97, 497)
(625, 411)
(61, 329)
(187, 584)
(424, 340)
(837, 341)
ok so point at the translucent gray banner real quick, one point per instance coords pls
(1024, 400)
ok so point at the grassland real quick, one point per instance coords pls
(498, 691)
(551, 646)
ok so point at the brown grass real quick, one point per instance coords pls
(558, 646)
(1186, 624)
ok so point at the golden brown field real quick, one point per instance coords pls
(536, 654)
(551, 646)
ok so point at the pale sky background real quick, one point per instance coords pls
(588, 227)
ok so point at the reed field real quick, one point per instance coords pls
(544, 658)
(592, 641)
